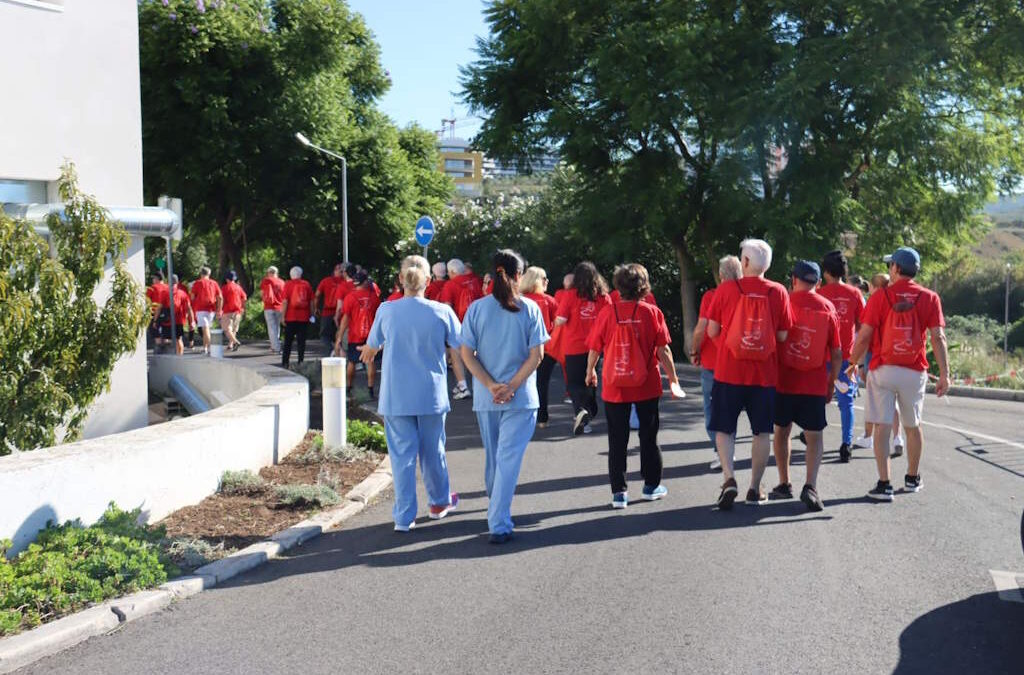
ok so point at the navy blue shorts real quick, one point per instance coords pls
(353, 351)
(807, 412)
(728, 400)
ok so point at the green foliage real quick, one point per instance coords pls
(978, 286)
(254, 324)
(231, 83)
(306, 496)
(368, 435)
(70, 567)
(57, 345)
(694, 125)
(976, 351)
(241, 483)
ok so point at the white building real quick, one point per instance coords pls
(70, 80)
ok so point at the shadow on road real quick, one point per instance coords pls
(981, 634)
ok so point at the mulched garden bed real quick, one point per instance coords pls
(231, 522)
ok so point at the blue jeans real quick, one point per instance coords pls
(505, 434)
(411, 437)
(707, 380)
(845, 402)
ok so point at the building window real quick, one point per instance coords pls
(23, 191)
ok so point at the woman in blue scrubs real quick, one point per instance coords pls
(503, 338)
(414, 392)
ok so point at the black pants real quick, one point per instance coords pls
(293, 330)
(582, 396)
(618, 441)
(328, 330)
(547, 366)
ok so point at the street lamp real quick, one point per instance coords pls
(344, 189)
(1006, 318)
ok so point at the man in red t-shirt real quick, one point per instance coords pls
(704, 350)
(207, 301)
(272, 290)
(460, 291)
(849, 304)
(297, 307)
(752, 315)
(356, 315)
(898, 371)
(806, 380)
(233, 309)
(435, 287)
(327, 300)
(157, 296)
(184, 318)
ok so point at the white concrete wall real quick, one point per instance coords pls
(69, 89)
(160, 468)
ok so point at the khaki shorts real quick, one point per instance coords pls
(231, 320)
(888, 385)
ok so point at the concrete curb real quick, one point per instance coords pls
(988, 393)
(20, 650)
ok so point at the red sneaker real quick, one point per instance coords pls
(441, 510)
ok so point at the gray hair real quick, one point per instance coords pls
(204, 271)
(729, 268)
(271, 270)
(456, 267)
(439, 269)
(295, 272)
(759, 253)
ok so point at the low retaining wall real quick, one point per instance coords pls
(164, 467)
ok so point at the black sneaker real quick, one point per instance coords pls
(781, 491)
(844, 453)
(882, 492)
(581, 420)
(501, 538)
(897, 450)
(912, 483)
(369, 390)
(728, 495)
(809, 496)
(756, 497)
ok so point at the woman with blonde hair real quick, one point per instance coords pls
(414, 392)
(534, 285)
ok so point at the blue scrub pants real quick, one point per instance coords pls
(845, 402)
(707, 381)
(409, 437)
(505, 434)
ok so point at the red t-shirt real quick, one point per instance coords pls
(708, 346)
(454, 288)
(396, 294)
(181, 307)
(326, 289)
(849, 304)
(157, 294)
(929, 315)
(810, 382)
(548, 307)
(580, 315)
(360, 306)
(651, 332)
(234, 297)
(205, 292)
(649, 298)
(299, 295)
(272, 289)
(729, 369)
(434, 289)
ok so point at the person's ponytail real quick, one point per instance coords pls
(507, 265)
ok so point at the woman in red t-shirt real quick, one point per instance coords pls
(578, 311)
(533, 285)
(634, 339)
(297, 307)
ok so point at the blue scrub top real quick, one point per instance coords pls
(413, 332)
(502, 341)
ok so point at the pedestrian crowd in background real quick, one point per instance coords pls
(779, 354)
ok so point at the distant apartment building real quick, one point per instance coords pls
(464, 165)
(540, 164)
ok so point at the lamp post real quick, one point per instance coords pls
(344, 189)
(1006, 318)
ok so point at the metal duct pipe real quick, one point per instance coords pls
(187, 395)
(146, 221)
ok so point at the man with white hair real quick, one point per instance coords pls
(297, 307)
(272, 290)
(752, 315)
(462, 289)
(437, 284)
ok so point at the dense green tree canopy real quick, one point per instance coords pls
(225, 86)
(58, 346)
(866, 123)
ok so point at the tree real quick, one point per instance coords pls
(57, 345)
(225, 86)
(872, 122)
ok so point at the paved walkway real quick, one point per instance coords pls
(669, 586)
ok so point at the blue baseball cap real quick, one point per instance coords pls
(808, 271)
(905, 258)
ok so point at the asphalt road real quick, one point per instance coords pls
(669, 586)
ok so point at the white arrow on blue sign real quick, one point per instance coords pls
(424, 231)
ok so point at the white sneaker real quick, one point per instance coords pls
(716, 464)
(864, 442)
(587, 429)
(897, 450)
(460, 393)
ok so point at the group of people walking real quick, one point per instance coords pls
(196, 307)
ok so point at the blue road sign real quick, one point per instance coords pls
(424, 231)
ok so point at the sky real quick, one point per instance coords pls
(423, 43)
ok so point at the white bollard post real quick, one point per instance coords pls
(332, 377)
(216, 343)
